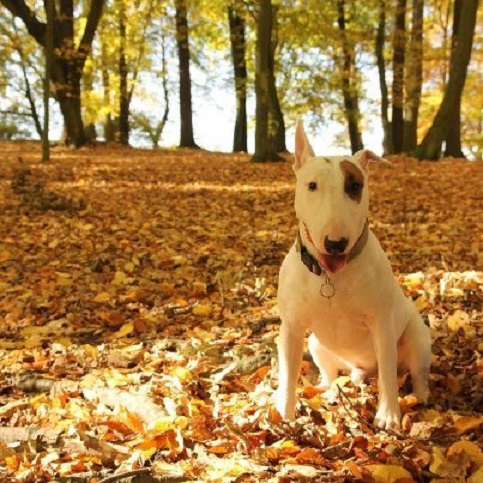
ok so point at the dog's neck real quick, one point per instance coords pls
(312, 263)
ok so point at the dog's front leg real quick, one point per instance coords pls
(388, 413)
(290, 348)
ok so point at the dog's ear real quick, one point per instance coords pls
(303, 149)
(366, 157)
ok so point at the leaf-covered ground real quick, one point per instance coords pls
(138, 322)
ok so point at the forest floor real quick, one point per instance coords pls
(138, 322)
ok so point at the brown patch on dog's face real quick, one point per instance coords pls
(353, 180)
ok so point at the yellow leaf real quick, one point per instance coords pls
(389, 473)
(464, 423)
(459, 319)
(476, 477)
(102, 297)
(341, 381)
(65, 341)
(468, 448)
(129, 267)
(182, 373)
(202, 309)
(120, 278)
(124, 331)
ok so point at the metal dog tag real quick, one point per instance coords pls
(327, 289)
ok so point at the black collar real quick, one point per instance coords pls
(311, 262)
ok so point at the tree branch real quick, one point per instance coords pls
(93, 19)
(20, 9)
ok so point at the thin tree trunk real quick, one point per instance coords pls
(123, 70)
(381, 67)
(69, 61)
(414, 79)
(276, 114)
(349, 89)
(237, 40)
(108, 125)
(49, 54)
(186, 109)
(264, 136)
(453, 139)
(430, 147)
(399, 42)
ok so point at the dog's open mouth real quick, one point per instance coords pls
(333, 263)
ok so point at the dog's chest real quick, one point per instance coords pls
(339, 323)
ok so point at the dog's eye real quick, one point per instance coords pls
(356, 187)
(312, 186)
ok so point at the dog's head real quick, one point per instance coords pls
(331, 200)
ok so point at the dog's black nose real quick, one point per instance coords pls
(335, 247)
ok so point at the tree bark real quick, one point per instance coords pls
(349, 89)
(381, 67)
(430, 147)
(276, 114)
(414, 78)
(186, 109)
(123, 70)
(238, 48)
(399, 43)
(264, 136)
(453, 139)
(68, 62)
(49, 56)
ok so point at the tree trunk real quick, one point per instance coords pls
(381, 67)
(399, 41)
(49, 56)
(238, 47)
(123, 70)
(69, 61)
(276, 114)
(430, 147)
(414, 79)
(70, 106)
(453, 139)
(108, 124)
(349, 87)
(264, 136)
(186, 110)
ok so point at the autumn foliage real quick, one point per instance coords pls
(138, 322)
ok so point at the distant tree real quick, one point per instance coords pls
(349, 87)
(123, 72)
(186, 109)
(69, 59)
(381, 67)
(49, 58)
(430, 147)
(399, 47)
(453, 138)
(277, 121)
(238, 48)
(414, 77)
(264, 134)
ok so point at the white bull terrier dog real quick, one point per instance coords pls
(337, 283)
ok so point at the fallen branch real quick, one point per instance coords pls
(126, 474)
(140, 404)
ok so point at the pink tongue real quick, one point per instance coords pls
(334, 263)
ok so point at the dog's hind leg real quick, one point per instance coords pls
(327, 362)
(415, 349)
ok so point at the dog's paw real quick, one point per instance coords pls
(358, 375)
(285, 408)
(422, 394)
(388, 418)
